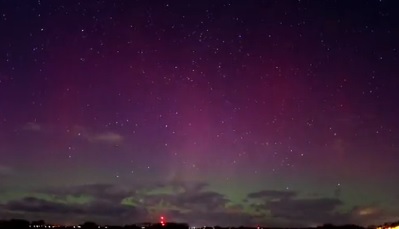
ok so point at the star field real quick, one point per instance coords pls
(275, 113)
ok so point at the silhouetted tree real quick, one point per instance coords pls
(16, 223)
(132, 227)
(39, 222)
(89, 225)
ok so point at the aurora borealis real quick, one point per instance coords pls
(274, 113)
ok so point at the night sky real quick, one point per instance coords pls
(277, 113)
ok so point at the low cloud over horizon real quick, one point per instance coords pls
(196, 205)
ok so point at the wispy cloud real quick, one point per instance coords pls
(32, 126)
(106, 137)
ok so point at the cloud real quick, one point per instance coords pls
(99, 192)
(194, 204)
(205, 201)
(106, 137)
(181, 201)
(273, 194)
(32, 126)
(189, 186)
(97, 210)
(190, 202)
(220, 218)
(184, 202)
(32, 204)
(202, 201)
(183, 195)
(299, 211)
(321, 210)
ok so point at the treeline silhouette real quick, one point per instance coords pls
(24, 224)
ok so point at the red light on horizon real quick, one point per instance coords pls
(162, 221)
